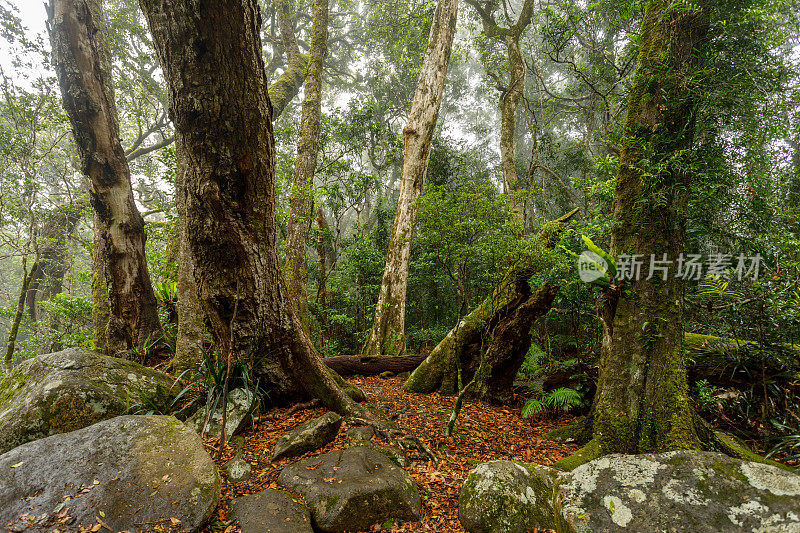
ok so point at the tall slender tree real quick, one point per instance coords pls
(225, 133)
(305, 165)
(83, 67)
(511, 89)
(388, 334)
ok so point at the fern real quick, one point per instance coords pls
(533, 407)
(564, 399)
(561, 399)
(717, 287)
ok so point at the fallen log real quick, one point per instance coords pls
(372, 366)
(462, 346)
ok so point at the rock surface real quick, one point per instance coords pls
(501, 496)
(69, 390)
(352, 489)
(696, 492)
(238, 469)
(360, 434)
(240, 406)
(271, 511)
(308, 436)
(130, 470)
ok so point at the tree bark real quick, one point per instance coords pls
(82, 66)
(305, 166)
(211, 56)
(642, 400)
(372, 366)
(388, 329)
(191, 328)
(463, 344)
(286, 87)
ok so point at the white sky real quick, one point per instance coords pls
(34, 16)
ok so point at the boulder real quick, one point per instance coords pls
(241, 404)
(680, 491)
(72, 389)
(127, 472)
(308, 436)
(271, 511)
(502, 496)
(698, 492)
(352, 489)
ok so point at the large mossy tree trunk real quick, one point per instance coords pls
(84, 75)
(642, 402)
(225, 127)
(462, 345)
(305, 165)
(388, 333)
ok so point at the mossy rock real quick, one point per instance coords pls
(135, 471)
(68, 390)
(507, 497)
(690, 491)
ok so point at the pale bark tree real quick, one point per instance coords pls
(511, 91)
(225, 131)
(305, 165)
(388, 334)
(82, 65)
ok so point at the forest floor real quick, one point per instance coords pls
(483, 433)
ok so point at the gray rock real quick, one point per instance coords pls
(72, 389)
(134, 470)
(308, 436)
(680, 491)
(360, 434)
(238, 469)
(271, 511)
(352, 489)
(241, 404)
(502, 497)
(696, 492)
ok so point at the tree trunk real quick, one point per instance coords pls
(225, 127)
(82, 66)
(642, 400)
(48, 279)
(509, 103)
(14, 331)
(440, 370)
(191, 329)
(100, 309)
(511, 94)
(286, 87)
(388, 329)
(305, 166)
(509, 342)
(372, 366)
